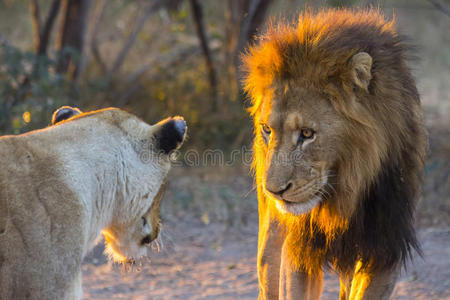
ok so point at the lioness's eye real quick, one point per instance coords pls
(307, 133)
(266, 128)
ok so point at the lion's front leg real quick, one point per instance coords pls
(270, 241)
(296, 284)
(364, 285)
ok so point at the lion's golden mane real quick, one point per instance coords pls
(370, 215)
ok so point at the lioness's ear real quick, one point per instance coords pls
(360, 66)
(64, 113)
(170, 134)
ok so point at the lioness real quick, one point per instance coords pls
(61, 186)
(338, 153)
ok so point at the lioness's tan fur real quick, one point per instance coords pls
(60, 186)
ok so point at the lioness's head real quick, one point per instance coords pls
(128, 241)
(143, 161)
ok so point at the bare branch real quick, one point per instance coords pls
(35, 23)
(48, 26)
(166, 60)
(255, 18)
(98, 58)
(256, 14)
(162, 62)
(40, 37)
(98, 17)
(440, 6)
(132, 38)
(72, 35)
(236, 10)
(200, 28)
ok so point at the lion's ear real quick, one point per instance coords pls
(360, 67)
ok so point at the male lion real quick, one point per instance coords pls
(101, 171)
(339, 152)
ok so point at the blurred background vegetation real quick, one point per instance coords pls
(158, 58)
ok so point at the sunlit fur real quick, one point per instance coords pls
(113, 254)
(123, 241)
(381, 146)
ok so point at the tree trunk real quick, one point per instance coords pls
(44, 35)
(35, 23)
(257, 15)
(235, 12)
(41, 36)
(251, 22)
(71, 37)
(151, 7)
(243, 19)
(200, 28)
(93, 31)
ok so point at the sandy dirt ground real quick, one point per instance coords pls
(214, 261)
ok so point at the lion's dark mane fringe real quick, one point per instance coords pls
(381, 230)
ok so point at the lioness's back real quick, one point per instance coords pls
(41, 214)
(34, 203)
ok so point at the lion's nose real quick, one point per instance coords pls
(280, 190)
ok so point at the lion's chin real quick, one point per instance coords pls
(296, 208)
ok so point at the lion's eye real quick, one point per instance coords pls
(266, 129)
(306, 133)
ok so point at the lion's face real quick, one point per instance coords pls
(315, 138)
(301, 133)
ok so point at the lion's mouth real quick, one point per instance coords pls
(302, 201)
(298, 208)
(286, 205)
(317, 195)
(301, 198)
